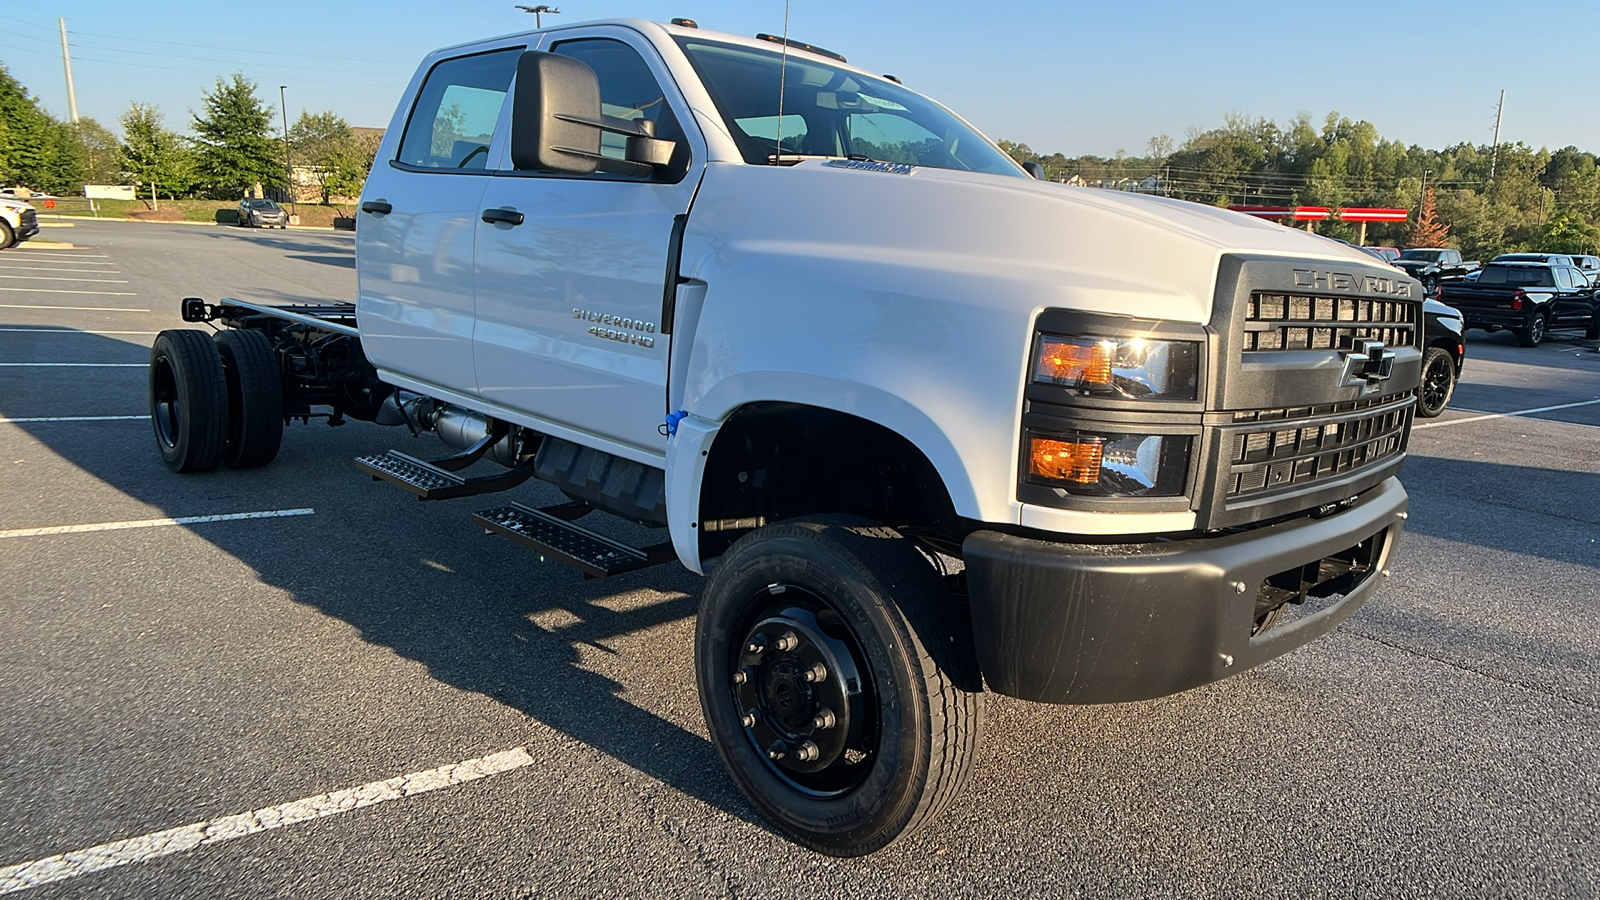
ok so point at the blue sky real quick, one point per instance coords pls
(1060, 76)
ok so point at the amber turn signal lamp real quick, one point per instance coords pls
(1077, 362)
(1065, 460)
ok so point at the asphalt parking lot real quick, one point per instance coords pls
(463, 721)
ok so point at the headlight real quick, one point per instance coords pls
(1130, 368)
(1123, 465)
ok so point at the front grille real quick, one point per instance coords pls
(1300, 322)
(1324, 409)
(1268, 459)
(30, 217)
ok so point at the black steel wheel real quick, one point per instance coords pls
(255, 398)
(1438, 382)
(838, 681)
(188, 400)
(1532, 334)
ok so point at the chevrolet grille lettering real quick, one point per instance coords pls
(1317, 279)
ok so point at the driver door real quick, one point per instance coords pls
(569, 298)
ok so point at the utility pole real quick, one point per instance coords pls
(66, 63)
(288, 171)
(1499, 110)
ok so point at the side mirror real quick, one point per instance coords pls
(556, 99)
(556, 123)
(1034, 169)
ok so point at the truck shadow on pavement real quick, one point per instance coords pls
(482, 614)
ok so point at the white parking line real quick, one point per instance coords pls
(3, 421)
(77, 863)
(80, 270)
(60, 291)
(1505, 415)
(150, 523)
(57, 254)
(78, 308)
(75, 365)
(52, 278)
(70, 330)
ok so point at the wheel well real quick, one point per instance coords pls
(774, 461)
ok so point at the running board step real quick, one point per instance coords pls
(429, 482)
(595, 555)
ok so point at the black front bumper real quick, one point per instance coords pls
(30, 225)
(1093, 623)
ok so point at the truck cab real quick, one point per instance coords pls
(928, 424)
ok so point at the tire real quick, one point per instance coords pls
(7, 236)
(188, 400)
(862, 602)
(1593, 331)
(1532, 334)
(1438, 382)
(255, 398)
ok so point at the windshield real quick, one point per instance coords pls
(1425, 255)
(829, 111)
(261, 204)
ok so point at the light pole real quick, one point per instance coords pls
(288, 171)
(538, 12)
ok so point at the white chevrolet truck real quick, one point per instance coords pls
(930, 426)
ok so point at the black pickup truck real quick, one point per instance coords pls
(1432, 265)
(1526, 298)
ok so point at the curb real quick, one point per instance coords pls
(50, 245)
(69, 224)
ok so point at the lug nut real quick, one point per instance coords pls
(756, 645)
(824, 719)
(807, 752)
(741, 676)
(817, 672)
(749, 720)
(777, 750)
(788, 642)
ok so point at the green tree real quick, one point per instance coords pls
(347, 169)
(100, 150)
(322, 145)
(235, 150)
(36, 150)
(1566, 233)
(152, 156)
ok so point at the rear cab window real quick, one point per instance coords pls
(453, 120)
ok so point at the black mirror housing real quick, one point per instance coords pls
(1034, 169)
(556, 100)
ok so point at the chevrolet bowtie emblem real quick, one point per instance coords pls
(1367, 364)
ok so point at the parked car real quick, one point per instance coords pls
(1546, 259)
(18, 222)
(1527, 298)
(1589, 266)
(1431, 265)
(1387, 254)
(254, 213)
(1445, 349)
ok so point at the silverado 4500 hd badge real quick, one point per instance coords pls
(626, 331)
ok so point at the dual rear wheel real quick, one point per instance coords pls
(215, 401)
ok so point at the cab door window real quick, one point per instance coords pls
(455, 113)
(628, 90)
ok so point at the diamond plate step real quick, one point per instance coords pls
(429, 482)
(593, 554)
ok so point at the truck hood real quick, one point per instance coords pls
(1008, 241)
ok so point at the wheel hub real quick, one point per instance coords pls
(801, 692)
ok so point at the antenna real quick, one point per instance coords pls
(783, 74)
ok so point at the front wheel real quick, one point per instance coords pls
(1438, 382)
(1532, 334)
(7, 236)
(839, 682)
(1593, 331)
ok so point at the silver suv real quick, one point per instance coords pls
(262, 214)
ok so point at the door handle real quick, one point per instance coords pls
(377, 207)
(502, 217)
